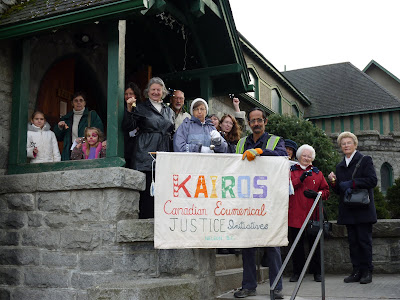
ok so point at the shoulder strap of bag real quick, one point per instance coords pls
(356, 168)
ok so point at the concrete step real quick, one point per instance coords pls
(231, 279)
(228, 261)
(151, 288)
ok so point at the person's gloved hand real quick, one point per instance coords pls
(344, 185)
(305, 174)
(310, 194)
(205, 149)
(215, 138)
(347, 192)
(252, 153)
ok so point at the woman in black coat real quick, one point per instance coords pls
(155, 123)
(132, 93)
(358, 220)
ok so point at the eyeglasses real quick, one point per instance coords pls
(199, 109)
(227, 123)
(256, 121)
(179, 98)
(78, 100)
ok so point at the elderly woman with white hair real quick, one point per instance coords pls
(307, 181)
(198, 134)
(155, 123)
(358, 220)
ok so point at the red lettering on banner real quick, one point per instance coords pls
(182, 186)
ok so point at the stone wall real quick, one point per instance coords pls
(63, 233)
(382, 149)
(385, 249)
(6, 80)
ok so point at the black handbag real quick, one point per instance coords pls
(357, 197)
(312, 227)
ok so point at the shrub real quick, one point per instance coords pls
(393, 197)
(381, 204)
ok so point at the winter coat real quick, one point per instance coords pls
(80, 153)
(365, 178)
(65, 135)
(155, 129)
(300, 205)
(192, 135)
(46, 142)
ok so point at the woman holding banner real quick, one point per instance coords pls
(307, 182)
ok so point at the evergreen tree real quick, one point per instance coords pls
(304, 132)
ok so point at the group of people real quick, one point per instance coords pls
(150, 125)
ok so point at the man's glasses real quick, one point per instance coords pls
(259, 120)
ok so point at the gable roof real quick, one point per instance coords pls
(373, 63)
(341, 89)
(253, 52)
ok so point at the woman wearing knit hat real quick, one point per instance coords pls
(198, 134)
(291, 148)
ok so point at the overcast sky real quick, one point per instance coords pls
(308, 33)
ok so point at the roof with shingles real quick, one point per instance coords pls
(340, 89)
(37, 9)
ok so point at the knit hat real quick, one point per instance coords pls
(291, 144)
(197, 100)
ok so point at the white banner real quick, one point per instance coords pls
(220, 201)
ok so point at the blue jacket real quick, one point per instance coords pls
(279, 149)
(191, 135)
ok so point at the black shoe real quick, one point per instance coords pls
(278, 294)
(317, 277)
(243, 293)
(223, 251)
(354, 277)
(366, 277)
(294, 278)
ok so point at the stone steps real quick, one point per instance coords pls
(151, 288)
(229, 272)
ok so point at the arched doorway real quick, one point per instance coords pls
(386, 177)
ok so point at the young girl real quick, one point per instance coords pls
(41, 141)
(91, 146)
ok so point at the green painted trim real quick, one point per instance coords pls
(361, 122)
(205, 72)
(20, 103)
(198, 8)
(323, 124)
(256, 103)
(355, 113)
(341, 124)
(371, 122)
(67, 165)
(97, 13)
(115, 88)
(391, 123)
(380, 123)
(266, 63)
(351, 124)
(332, 125)
(373, 62)
(256, 83)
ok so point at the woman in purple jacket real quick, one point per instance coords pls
(198, 134)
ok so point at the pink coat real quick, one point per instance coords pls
(300, 205)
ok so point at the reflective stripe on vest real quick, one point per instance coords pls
(271, 144)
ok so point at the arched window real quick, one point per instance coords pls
(253, 81)
(295, 111)
(386, 177)
(276, 101)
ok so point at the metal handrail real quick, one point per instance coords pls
(320, 237)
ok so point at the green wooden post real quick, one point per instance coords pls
(20, 95)
(115, 89)
(206, 87)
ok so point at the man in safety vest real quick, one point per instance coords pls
(256, 144)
